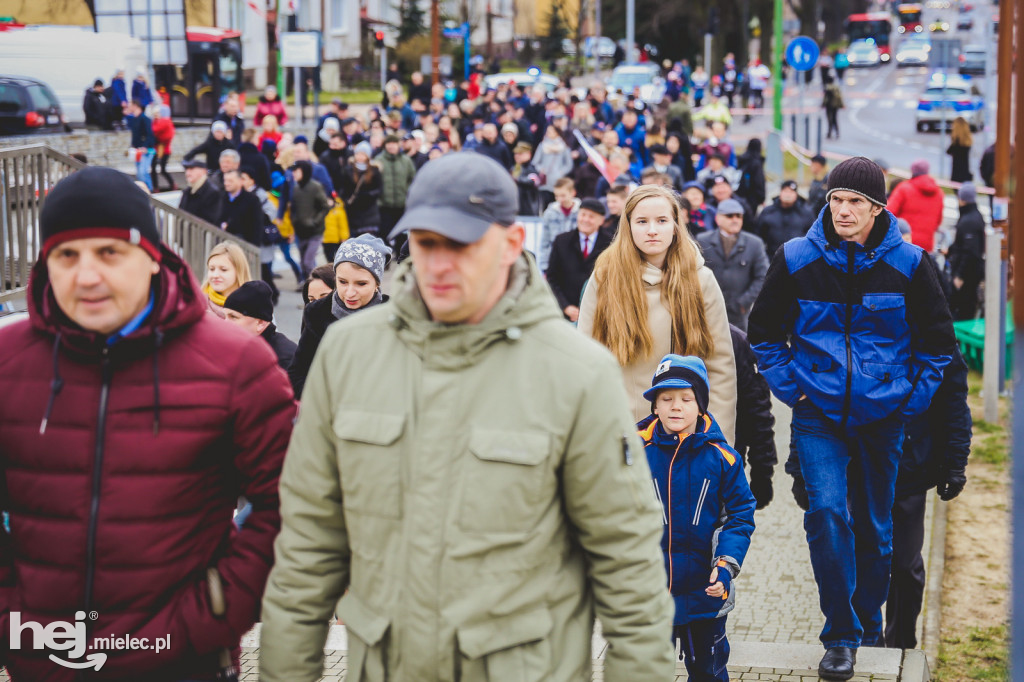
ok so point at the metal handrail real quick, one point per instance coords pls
(29, 172)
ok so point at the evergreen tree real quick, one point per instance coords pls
(412, 22)
(557, 31)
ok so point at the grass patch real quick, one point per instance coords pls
(983, 426)
(350, 96)
(982, 655)
(991, 450)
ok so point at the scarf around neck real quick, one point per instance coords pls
(215, 298)
(339, 310)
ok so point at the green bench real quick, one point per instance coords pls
(971, 336)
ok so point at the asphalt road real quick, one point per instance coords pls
(879, 119)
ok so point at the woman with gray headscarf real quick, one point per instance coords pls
(358, 266)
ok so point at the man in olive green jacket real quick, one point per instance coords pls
(464, 487)
(397, 172)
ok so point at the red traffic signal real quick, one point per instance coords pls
(379, 38)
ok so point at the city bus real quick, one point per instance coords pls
(876, 26)
(910, 18)
(214, 69)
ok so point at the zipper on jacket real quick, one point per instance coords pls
(847, 330)
(700, 500)
(668, 513)
(97, 472)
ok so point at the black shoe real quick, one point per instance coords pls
(837, 663)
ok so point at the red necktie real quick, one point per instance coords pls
(586, 248)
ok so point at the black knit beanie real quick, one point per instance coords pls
(252, 299)
(860, 175)
(98, 202)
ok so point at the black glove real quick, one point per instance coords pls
(800, 493)
(952, 483)
(761, 486)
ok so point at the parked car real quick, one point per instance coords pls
(526, 79)
(863, 53)
(29, 106)
(965, 23)
(913, 53)
(947, 96)
(938, 26)
(627, 78)
(972, 60)
(606, 47)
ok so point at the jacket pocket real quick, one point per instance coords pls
(701, 499)
(369, 461)
(507, 649)
(505, 480)
(367, 650)
(884, 371)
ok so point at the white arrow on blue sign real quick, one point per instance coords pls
(802, 53)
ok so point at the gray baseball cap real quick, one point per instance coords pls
(460, 196)
(730, 207)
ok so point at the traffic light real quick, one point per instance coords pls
(379, 38)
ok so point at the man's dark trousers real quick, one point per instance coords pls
(850, 473)
(906, 590)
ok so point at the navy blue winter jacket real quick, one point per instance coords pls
(934, 442)
(862, 330)
(709, 512)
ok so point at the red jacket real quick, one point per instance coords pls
(121, 503)
(919, 202)
(275, 108)
(163, 131)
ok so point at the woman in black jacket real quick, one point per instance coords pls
(216, 142)
(361, 186)
(358, 265)
(751, 165)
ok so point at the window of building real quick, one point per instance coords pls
(337, 16)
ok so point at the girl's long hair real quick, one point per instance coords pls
(620, 321)
(961, 134)
(237, 257)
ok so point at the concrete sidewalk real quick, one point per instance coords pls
(748, 661)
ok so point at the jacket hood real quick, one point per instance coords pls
(527, 302)
(885, 236)
(178, 303)
(925, 184)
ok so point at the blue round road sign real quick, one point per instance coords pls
(802, 53)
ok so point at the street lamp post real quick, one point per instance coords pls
(777, 67)
(630, 30)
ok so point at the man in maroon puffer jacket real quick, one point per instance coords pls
(130, 422)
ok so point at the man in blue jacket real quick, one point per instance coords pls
(853, 333)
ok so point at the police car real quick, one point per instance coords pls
(947, 96)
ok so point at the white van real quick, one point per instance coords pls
(69, 59)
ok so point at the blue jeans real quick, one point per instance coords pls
(704, 649)
(851, 484)
(142, 167)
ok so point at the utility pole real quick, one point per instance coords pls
(489, 49)
(597, 40)
(435, 43)
(777, 39)
(630, 31)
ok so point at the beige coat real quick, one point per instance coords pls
(467, 498)
(721, 366)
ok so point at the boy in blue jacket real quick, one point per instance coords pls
(709, 511)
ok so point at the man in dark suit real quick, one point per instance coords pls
(573, 255)
(200, 198)
(241, 211)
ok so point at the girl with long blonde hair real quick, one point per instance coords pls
(226, 270)
(960, 145)
(651, 295)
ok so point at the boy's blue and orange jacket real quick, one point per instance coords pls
(709, 512)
